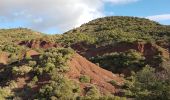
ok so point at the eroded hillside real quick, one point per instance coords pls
(108, 58)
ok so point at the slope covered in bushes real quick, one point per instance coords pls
(78, 64)
(100, 40)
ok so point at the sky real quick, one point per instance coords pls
(58, 16)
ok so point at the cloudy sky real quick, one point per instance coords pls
(58, 16)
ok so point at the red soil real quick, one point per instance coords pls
(3, 58)
(21, 81)
(99, 77)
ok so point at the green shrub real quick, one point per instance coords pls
(84, 79)
(113, 82)
(130, 59)
(32, 63)
(12, 84)
(5, 93)
(49, 67)
(93, 93)
(33, 82)
(56, 59)
(60, 88)
(35, 79)
(21, 70)
(147, 84)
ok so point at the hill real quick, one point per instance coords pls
(118, 34)
(110, 58)
(31, 62)
(116, 29)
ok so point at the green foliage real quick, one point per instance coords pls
(114, 83)
(49, 67)
(92, 92)
(56, 58)
(18, 34)
(159, 59)
(4, 93)
(107, 97)
(147, 84)
(33, 82)
(61, 88)
(84, 79)
(69, 39)
(109, 30)
(32, 63)
(21, 70)
(129, 59)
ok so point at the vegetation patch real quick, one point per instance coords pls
(84, 79)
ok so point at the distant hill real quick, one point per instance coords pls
(115, 29)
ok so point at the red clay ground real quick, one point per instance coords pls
(99, 77)
(3, 58)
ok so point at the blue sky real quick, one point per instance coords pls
(58, 16)
(142, 8)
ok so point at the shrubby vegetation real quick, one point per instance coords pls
(117, 61)
(69, 39)
(51, 63)
(84, 79)
(148, 84)
(59, 88)
(21, 70)
(6, 92)
(55, 59)
(109, 30)
(45, 73)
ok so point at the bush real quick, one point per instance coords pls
(32, 63)
(130, 59)
(61, 88)
(113, 82)
(147, 84)
(5, 93)
(33, 82)
(84, 79)
(49, 67)
(92, 93)
(21, 70)
(56, 59)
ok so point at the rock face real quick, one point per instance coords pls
(39, 44)
(80, 66)
(147, 49)
(3, 58)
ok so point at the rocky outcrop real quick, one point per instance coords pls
(39, 44)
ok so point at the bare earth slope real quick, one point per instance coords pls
(100, 77)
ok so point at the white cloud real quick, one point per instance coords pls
(162, 17)
(42, 15)
(120, 1)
